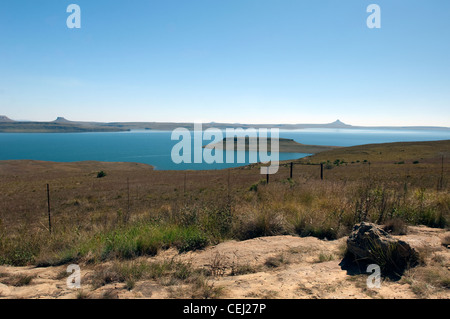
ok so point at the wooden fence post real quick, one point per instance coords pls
(228, 184)
(292, 168)
(48, 205)
(128, 200)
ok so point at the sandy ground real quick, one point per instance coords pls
(295, 270)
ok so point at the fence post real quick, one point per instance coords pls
(321, 171)
(128, 200)
(228, 184)
(48, 205)
(292, 168)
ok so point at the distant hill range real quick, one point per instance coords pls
(61, 120)
(5, 119)
(62, 125)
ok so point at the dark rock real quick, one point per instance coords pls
(370, 244)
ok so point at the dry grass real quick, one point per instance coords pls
(432, 276)
(323, 257)
(166, 273)
(427, 280)
(395, 226)
(277, 261)
(97, 219)
(17, 280)
(183, 280)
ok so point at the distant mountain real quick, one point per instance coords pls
(337, 124)
(4, 119)
(61, 124)
(61, 120)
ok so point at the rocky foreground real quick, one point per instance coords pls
(270, 267)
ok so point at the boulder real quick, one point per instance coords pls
(370, 244)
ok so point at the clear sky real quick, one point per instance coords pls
(246, 61)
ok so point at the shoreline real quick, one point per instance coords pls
(358, 152)
(61, 125)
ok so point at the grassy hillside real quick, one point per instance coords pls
(132, 210)
(387, 152)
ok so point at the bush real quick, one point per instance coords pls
(328, 165)
(432, 218)
(140, 239)
(101, 174)
(261, 224)
(395, 226)
(129, 272)
(18, 280)
(18, 251)
(254, 187)
(326, 229)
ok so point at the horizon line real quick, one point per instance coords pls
(336, 122)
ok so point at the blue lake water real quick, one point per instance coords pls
(154, 147)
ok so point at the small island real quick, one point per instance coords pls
(286, 145)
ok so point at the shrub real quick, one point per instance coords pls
(18, 280)
(328, 165)
(18, 251)
(276, 261)
(127, 242)
(168, 272)
(323, 257)
(431, 217)
(395, 226)
(192, 239)
(101, 174)
(254, 187)
(237, 270)
(321, 230)
(260, 224)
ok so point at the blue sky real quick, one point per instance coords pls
(247, 61)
